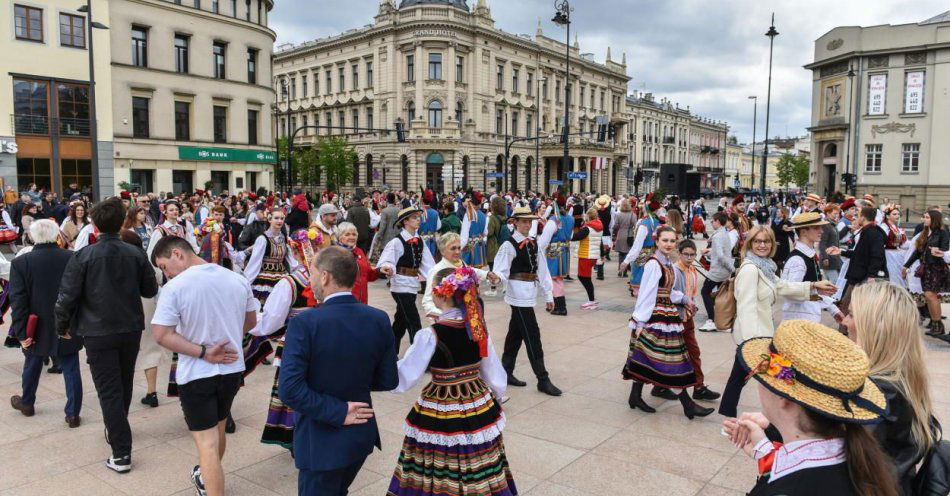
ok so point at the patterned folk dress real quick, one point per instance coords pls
(647, 251)
(453, 444)
(273, 267)
(659, 355)
(558, 253)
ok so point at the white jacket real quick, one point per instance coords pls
(755, 301)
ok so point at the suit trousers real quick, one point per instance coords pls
(33, 368)
(729, 404)
(327, 482)
(112, 363)
(523, 326)
(406, 318)
(692, 350)
(708, 301)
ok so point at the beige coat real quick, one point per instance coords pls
(755, 301)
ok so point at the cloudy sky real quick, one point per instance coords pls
(708, 54)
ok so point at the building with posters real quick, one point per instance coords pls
(191, 94)
(459, 83)
(880, 111)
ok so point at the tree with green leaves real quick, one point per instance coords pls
(792, 169)
(335, 159)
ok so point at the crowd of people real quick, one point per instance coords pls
(221, 284)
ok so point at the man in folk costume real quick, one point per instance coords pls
(326, 218)
(430, 226)
(803, 264)
(520, 266)
(554, 242)
(405, 259)
(811, 203)
(291, 296)
(474, 235)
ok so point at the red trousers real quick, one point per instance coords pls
(692, 349)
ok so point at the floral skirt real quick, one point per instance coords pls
(936, 278)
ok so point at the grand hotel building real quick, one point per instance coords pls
(459, 83)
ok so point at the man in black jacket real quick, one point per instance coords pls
(254, 228)
(100, 300)
(867, 258)
(34, 283)
(358, 215)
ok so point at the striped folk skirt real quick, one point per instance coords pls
(453, 444)
(279, 426)
(270, 275)
(659, 355)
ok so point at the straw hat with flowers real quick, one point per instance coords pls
(818, 368)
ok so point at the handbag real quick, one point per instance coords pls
(919, 271)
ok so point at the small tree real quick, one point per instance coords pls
(307, 165)
(800, 171)
(335, 159)
(792, 169)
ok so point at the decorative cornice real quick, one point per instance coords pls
(893, 127)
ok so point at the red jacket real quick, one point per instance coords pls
(364, 276)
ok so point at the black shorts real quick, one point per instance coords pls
(205, 402)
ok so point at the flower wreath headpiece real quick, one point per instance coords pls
(464, 282)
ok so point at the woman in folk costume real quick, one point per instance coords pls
(430, 223)
(453, 442)
(347, 235)
(270, 259)
(555, 240)
(644, 244)
(896, 245)
(657, 347)
(290, 297)
(588, 254)
(215, 240)
(474, 235)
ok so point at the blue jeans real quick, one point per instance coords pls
(33, 368)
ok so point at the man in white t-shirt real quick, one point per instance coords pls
(202, 314)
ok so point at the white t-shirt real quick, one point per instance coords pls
(207, 303)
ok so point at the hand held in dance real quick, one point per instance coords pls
(26, 343)
(549, 306)
(66, 335)
(221, 353)
(833, 251)
(387, 270)
(357, 413)
(623, 266)
(826, 288)
(903, 272)
(493, 278)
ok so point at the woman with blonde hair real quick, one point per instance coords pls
(674, 219)
(756, 288)
(882, 320)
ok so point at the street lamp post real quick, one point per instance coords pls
(93, 124)
(851, 171)
(537, 134)
(563, 17)
(772, 33)
(280, 168)
(755, 108)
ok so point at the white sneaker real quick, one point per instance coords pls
(708, 326)
(491, 292)
(590, 305)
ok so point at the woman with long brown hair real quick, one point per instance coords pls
(674, 219)
(929, 248)
(135, 221)
(75, 221)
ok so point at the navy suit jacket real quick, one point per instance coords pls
(333, 354)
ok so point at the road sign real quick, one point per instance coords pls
(555, 182)
(577, 175)
(494, 174)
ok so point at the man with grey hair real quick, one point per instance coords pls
(34, 285)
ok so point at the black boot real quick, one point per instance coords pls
(936, 328)
(509, 366)
(662, 392)
(600, 272)
(547, 387)
(690, 408)
(636, 401)
(560, 306)
(706, 394)
(229, 425)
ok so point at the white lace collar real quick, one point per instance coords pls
(801, 455)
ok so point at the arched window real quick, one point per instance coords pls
(411, 111)
(435, 114)
(369, 170)
(458, 111)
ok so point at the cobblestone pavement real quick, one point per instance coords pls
(587, 442)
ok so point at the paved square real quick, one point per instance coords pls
(587, 442)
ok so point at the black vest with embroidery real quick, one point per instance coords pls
(411, 254)
(812, 272)
(526, 259)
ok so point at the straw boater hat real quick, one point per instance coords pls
(603, 201)
(813, 197)
(522, 213)
(818, 368)
(405, 213)
(807, 219)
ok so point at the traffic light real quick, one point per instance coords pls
(602, 133)
(400, 132)
(612, 132)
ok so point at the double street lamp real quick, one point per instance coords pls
(93, 127)
(562, 17)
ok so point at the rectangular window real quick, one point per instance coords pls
(356, 120)
(557, 91)
(514, 80)
(877, 94)
(369, 117)
(30, 107)
(247, 10)
(369, 74)
(252, 68)
(435, 66)
(410, 67)
(77, 171)
(218, 51)
(872, 161)
(499, 121)
(528, 126)
(220, 124)
(34, 170)
(198, 4)
(139, 46)
(73, 103)
(342, 74)
(139, 117)
(341, 116)
(514, 123)
(305, 91)
(181, 53)
(910, 157)
(355, 68)
(544, 89)
(329, 122)
(914, 92)
(329, 88)
(316, 84)
(233, 8)
(603, 97)
(28, 23)
(72, 30)
(215, 6)
(529, 90)
(293, 88)
(182, 121)
(252, 127)
(500, 77)
(459, 69)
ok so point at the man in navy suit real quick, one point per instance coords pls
(333, 357)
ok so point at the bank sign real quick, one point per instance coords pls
(8, 147)
(226, 155)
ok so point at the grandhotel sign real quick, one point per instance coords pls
(428, 33)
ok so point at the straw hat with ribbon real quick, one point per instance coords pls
(807, 219)
(522, 213)
(818, 368)
(406, 213)
(813, 197)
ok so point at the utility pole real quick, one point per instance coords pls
(772, 33)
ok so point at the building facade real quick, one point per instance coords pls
(45, 97)
(659, 134)
(192, 95)
(460, 85)
(707, 142)
(880, 111)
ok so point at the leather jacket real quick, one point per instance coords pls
(895, 436)
(102, 287)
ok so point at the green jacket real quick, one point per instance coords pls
(495, 223)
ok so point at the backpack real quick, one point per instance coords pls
(725, 305)
(504, 234)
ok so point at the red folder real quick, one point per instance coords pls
(31, 323)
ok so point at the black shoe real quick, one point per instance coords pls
(547, 387)
(568, 278)
(691, 409)
(705, 394)
(121, 464)
(636, 400)
(514, 381)
(266, 361)
(55, 369)
(229, 425)
(150, 399)
(73, 422)
(661, 392)
(17, 403)
(559, 311)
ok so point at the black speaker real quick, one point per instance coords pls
(692, 186)
(673, 178)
